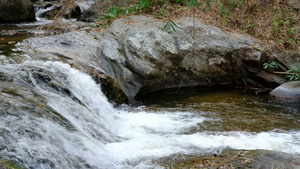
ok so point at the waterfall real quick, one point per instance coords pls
(42, 8)
(65, 128)
(53, 116)
(41, 11)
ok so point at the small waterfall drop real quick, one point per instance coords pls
(94, 108)
(66, 133)
(41, 11)
(53, 116)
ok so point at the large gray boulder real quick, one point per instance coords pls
(289, 91)
(164, 60)
(143, 59)
(16, 11)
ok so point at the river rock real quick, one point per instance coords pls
(16, 11)
(229, 159)
(289, 91)
(144, 59)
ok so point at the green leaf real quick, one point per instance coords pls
(194, 3)
(173, 28)
(270, 64)
(165, 27)
(170, 24)
(144, 4)
(173, 23)
(265, 65)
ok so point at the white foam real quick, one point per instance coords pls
(107, 137)
(160, 145)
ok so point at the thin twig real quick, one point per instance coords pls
(285, 73)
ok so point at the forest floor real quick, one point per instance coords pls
(275, 23)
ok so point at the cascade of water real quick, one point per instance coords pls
(41, 11)
(43, 127)
(96, 109)
(55, 131)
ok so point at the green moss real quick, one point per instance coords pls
(51, 14)
(6, 164)
(251, 153)
(112, 90)
(6, 49)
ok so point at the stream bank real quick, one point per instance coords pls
(143, 59)
(233, 159)
(50, 97)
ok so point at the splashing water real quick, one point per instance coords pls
(46, 128)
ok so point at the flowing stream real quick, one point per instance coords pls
(53, 116)
(47, 127)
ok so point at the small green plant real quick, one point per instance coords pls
(113, 13)
(294, 72)
(284, 27)
(224, 11)
(161, 13)
(193, 4)
(293, 77)
(180, 2)
(275, 25)
(270, 65)
(208, 6)
(169, 26)
(131, 9)
(232, 4)
(249, 26)
(144, 4)
(227, 8)
(290, 31)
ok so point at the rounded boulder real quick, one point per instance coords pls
(16, 11)
(289, 91)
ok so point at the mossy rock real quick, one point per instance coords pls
(51, 14)
(112, 89)
(109, 86)
(6, 164)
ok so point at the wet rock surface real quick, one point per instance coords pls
(234, 159)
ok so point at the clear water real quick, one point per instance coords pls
(43, 127)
